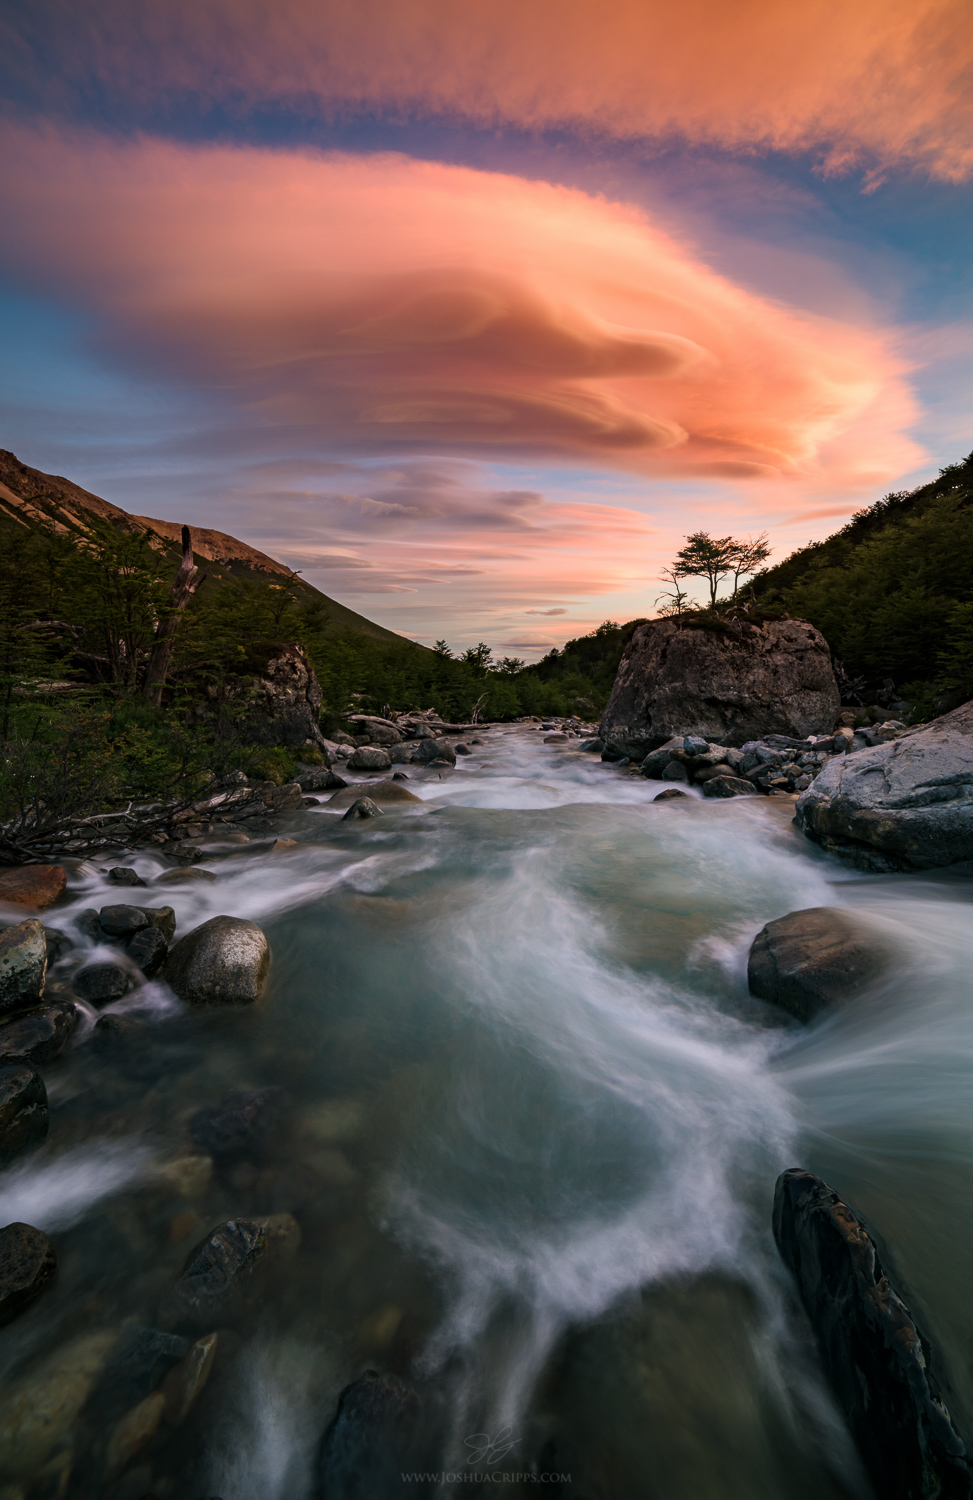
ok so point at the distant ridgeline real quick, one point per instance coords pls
(892, 592)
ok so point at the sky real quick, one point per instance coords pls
(472, 313)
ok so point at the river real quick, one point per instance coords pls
(532, 1123)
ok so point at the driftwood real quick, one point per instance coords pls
(183, 588)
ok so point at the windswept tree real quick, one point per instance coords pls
(716, 558)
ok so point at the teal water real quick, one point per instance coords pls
(532, 1126)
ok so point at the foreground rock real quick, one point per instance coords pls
(903, 805)
(374, 1437)
(24, 1116)
(27, 1267)
(38, 1035)
(223, 962)
(362, 807)
(38, 886)
(725, 681)
(812, 959)
(875, 1357)
(378, 791)
(220, 1271)
(23, 966)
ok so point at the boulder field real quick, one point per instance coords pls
(726, 681)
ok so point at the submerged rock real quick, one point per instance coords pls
(218, 1273)
(723, 681)
(814, 958)
(37, 1036)
(903, 805)
(240, 1125)
(38, 886)
(375, 1435)
(100, 983)
(24, 1117)
(27, 1267)
(225, 961)
(183, 1384)
(378, 791)
(874, 1355)
(23, 966)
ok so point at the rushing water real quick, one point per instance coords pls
(533, 1123)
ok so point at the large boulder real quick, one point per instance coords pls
(874, 1355)
(813, 959)
(378, 791)
(225, 961)
(907, 805)
(285, 702)
(724, 681)
(369, 758)
(23, 966)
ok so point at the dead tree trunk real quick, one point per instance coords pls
(183, 588)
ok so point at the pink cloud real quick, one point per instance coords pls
(394, 306)
(878, 84)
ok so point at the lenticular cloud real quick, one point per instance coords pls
(397, 306)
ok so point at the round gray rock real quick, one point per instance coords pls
(815, 958)
(223, 962)
(369, 758)
(434, 749)
(23, 965)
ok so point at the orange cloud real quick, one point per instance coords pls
(393, 306)
(876, 83)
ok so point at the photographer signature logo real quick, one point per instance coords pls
(490, 1450)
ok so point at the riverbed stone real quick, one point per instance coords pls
(38, 886)
(319, 779)
(378, 792)
(225, 961)
(363, 807)
(122, 921)
(401, 755)
(100, 983)
(874, 1354)
(434, 749)
(375, 1435)
(125, 875)
(729, 786)
(37, 1036)
(671, 792)
(674, 770)
(905, 805)
(220, 1270)
(815, 958)
(147, 950)
(721, 681)
(27, 1267)
(242, 1124)
(183, 1384)
(369, 758)
(185, 876)
(24, 1116)
(38, 1409)
(23, 965)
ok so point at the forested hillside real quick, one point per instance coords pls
(892, 592)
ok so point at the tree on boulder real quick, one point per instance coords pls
(716, 558)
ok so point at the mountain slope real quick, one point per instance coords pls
(32, 499)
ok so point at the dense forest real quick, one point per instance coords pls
(892, 592)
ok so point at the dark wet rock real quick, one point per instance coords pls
(138, 1365)
(401, 755)
(100, 983)
(286, 798)
(37, 1036)
(183, 877)
(369, 758)
(377, 731)
(722, 681)
(551, 739)
(27, 1267)
(874, 1355)
(611, 753)
(729, 786)
(653, 764)
(674, 770)
(814, 958)
(37, 886)
(112, 1029)
(375, 1436)
(399, 776)
(23, 965)
(220, 1271)
(163, 918)
(24, 1115)
(122, 921)
(319, 779)
(242, 1124)
(434, 749)
(310, 801)
(669, 793)
(462, 749)
(378, 792)
(125, 875)
(147, 950)
(594, 746)
(57, 943)
(183, 1384)
(903, 805)
(364, 807)
(225, 961)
